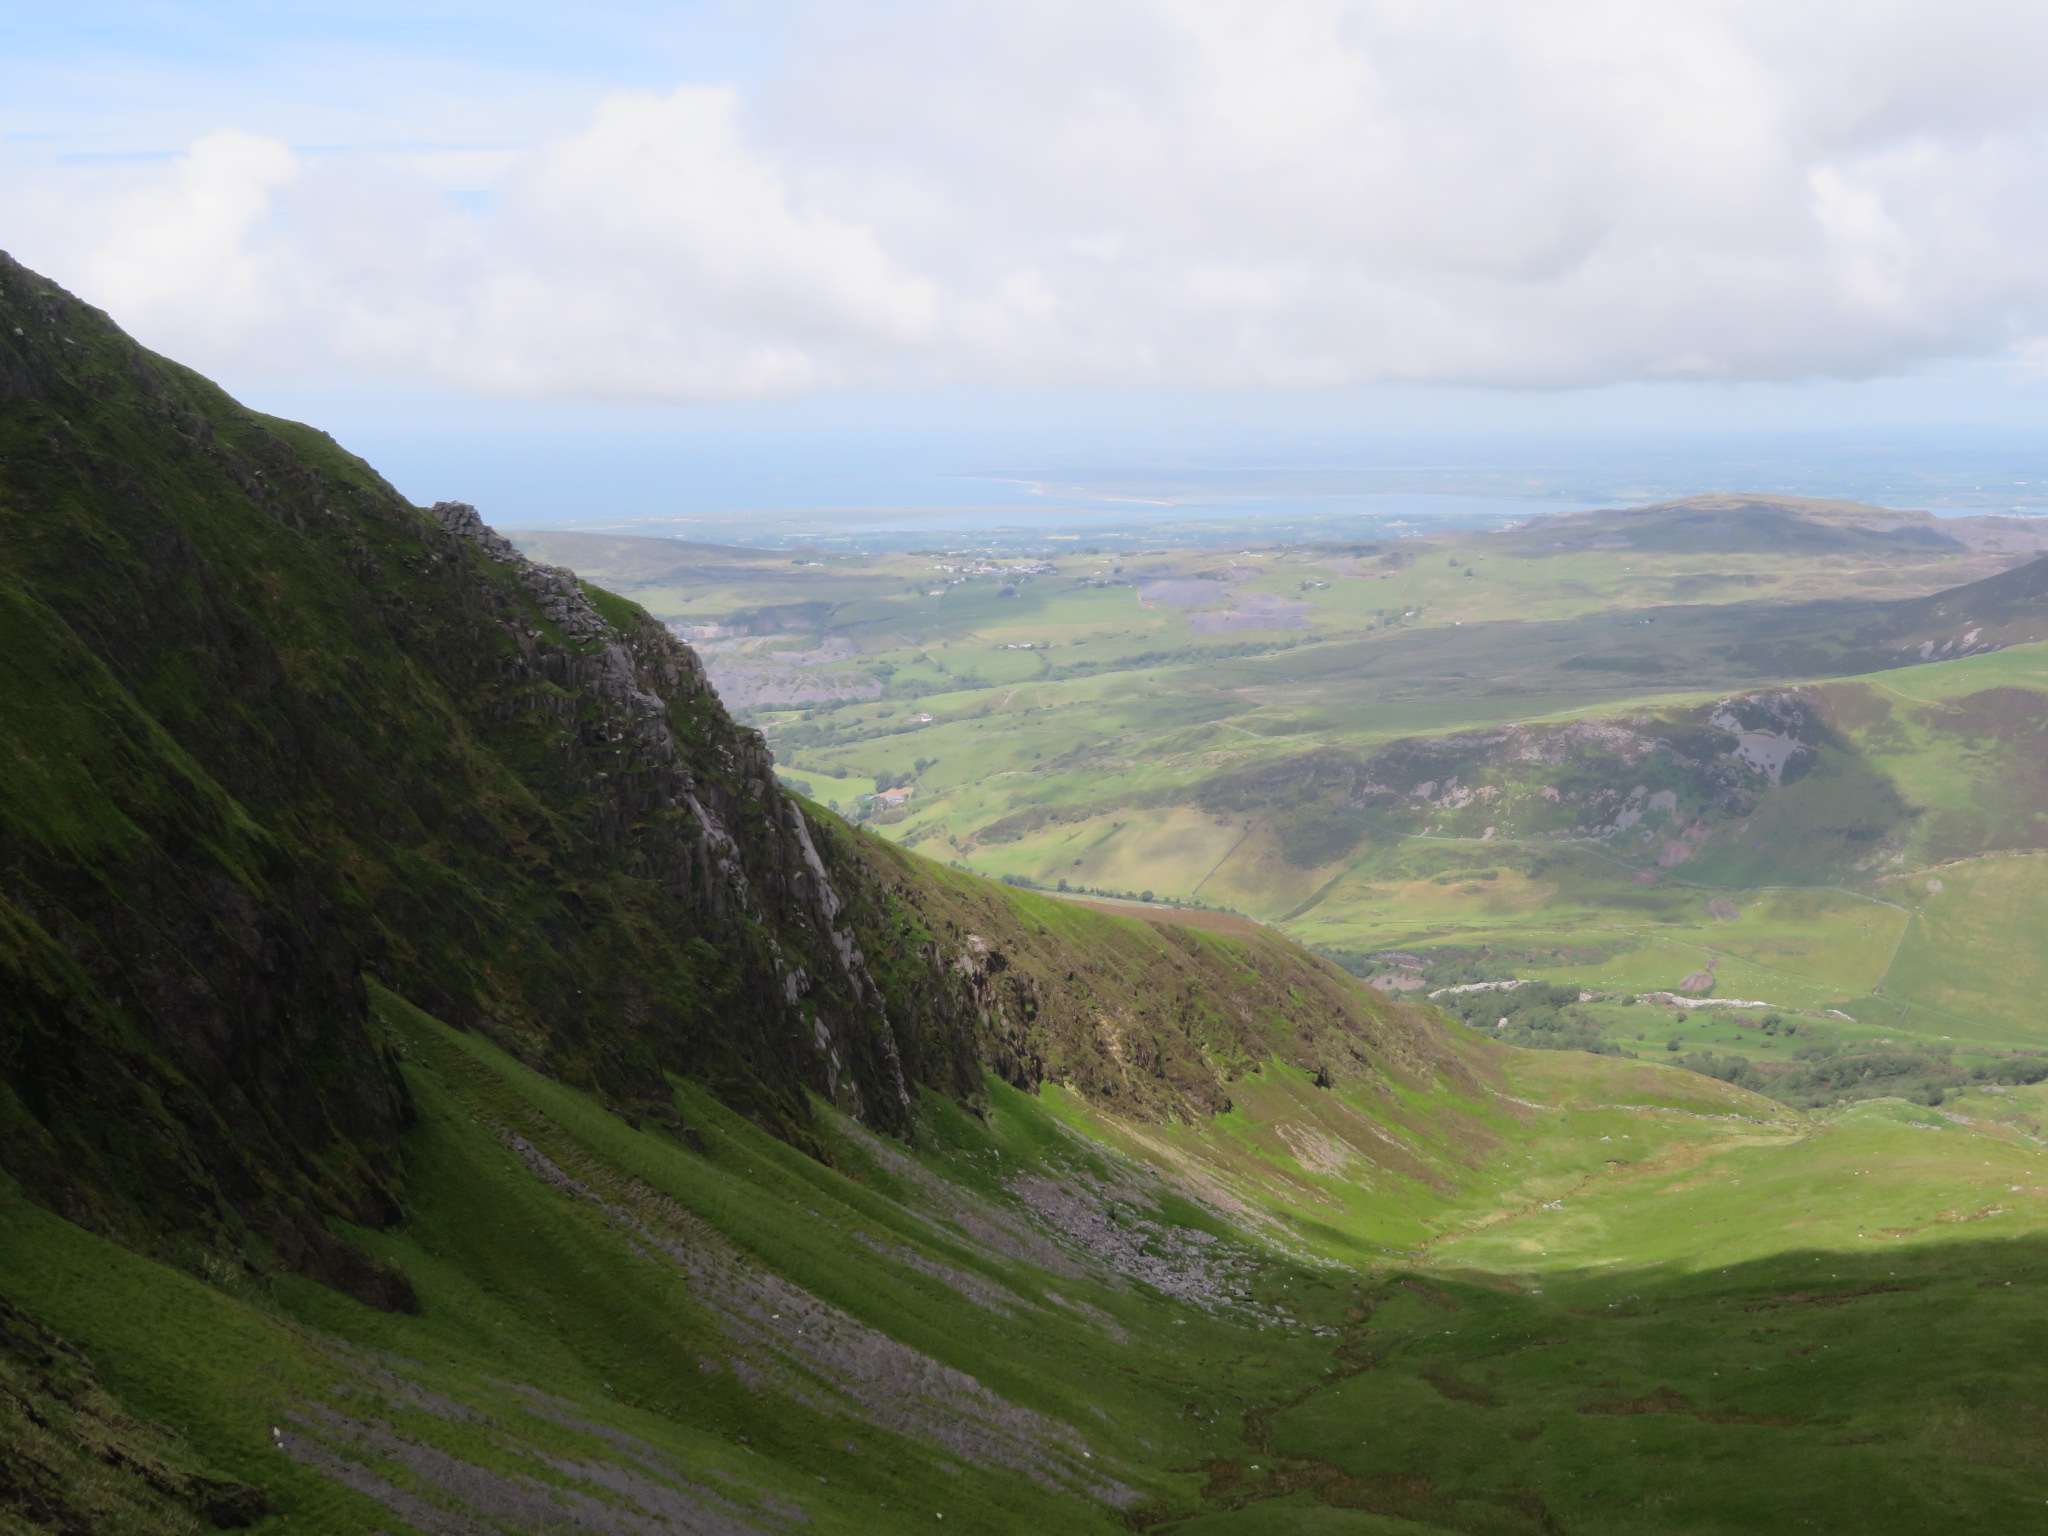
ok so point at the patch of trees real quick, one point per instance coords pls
(1463, 972)
(1538, 1015)
(1825, 1074)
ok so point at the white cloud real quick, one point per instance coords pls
(1519, 192)
(193, 246)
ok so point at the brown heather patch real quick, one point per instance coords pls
(1668, 1400)
(1430, 1295)
(1833, 1298)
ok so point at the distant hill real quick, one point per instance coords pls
(628, 560)
(2010, 608)
(1795, 525)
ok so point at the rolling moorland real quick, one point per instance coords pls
(449, 1085)
(1652, 763)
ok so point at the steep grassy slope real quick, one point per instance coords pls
(1613, 1298)
(1149, 1020)
(269, 728)
(450, 1087)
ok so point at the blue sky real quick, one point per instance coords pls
(621, 260)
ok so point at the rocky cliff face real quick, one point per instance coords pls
(270, 729)
(666, 789)
(275, 729)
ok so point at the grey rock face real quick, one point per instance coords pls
(555, 587)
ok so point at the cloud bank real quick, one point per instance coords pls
(1521, 193)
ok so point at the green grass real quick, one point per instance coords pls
(1792, 1393)
(1971, 963)
(1252, 1251)
(1620, 1280)
(554, 1315)
(1781, 1329)
(532, 1297)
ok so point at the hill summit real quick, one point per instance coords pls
(1721, 523)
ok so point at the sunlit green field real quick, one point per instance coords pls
(1974, 958)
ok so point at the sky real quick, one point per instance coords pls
(622, 260)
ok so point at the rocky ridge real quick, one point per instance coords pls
(277, 730)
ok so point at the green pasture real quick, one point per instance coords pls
(1860, 1181)
(1794, 947)
(2018, 666)
(1797, 948)
(823, 788)
(1359, 1177)
(1170, 851)
(1974, 962)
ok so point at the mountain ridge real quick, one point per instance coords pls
(396, 747)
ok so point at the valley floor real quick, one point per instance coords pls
(1597, 1296)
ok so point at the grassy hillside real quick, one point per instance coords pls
(448, 1086)
(1779, 844)
(1615, 1297)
